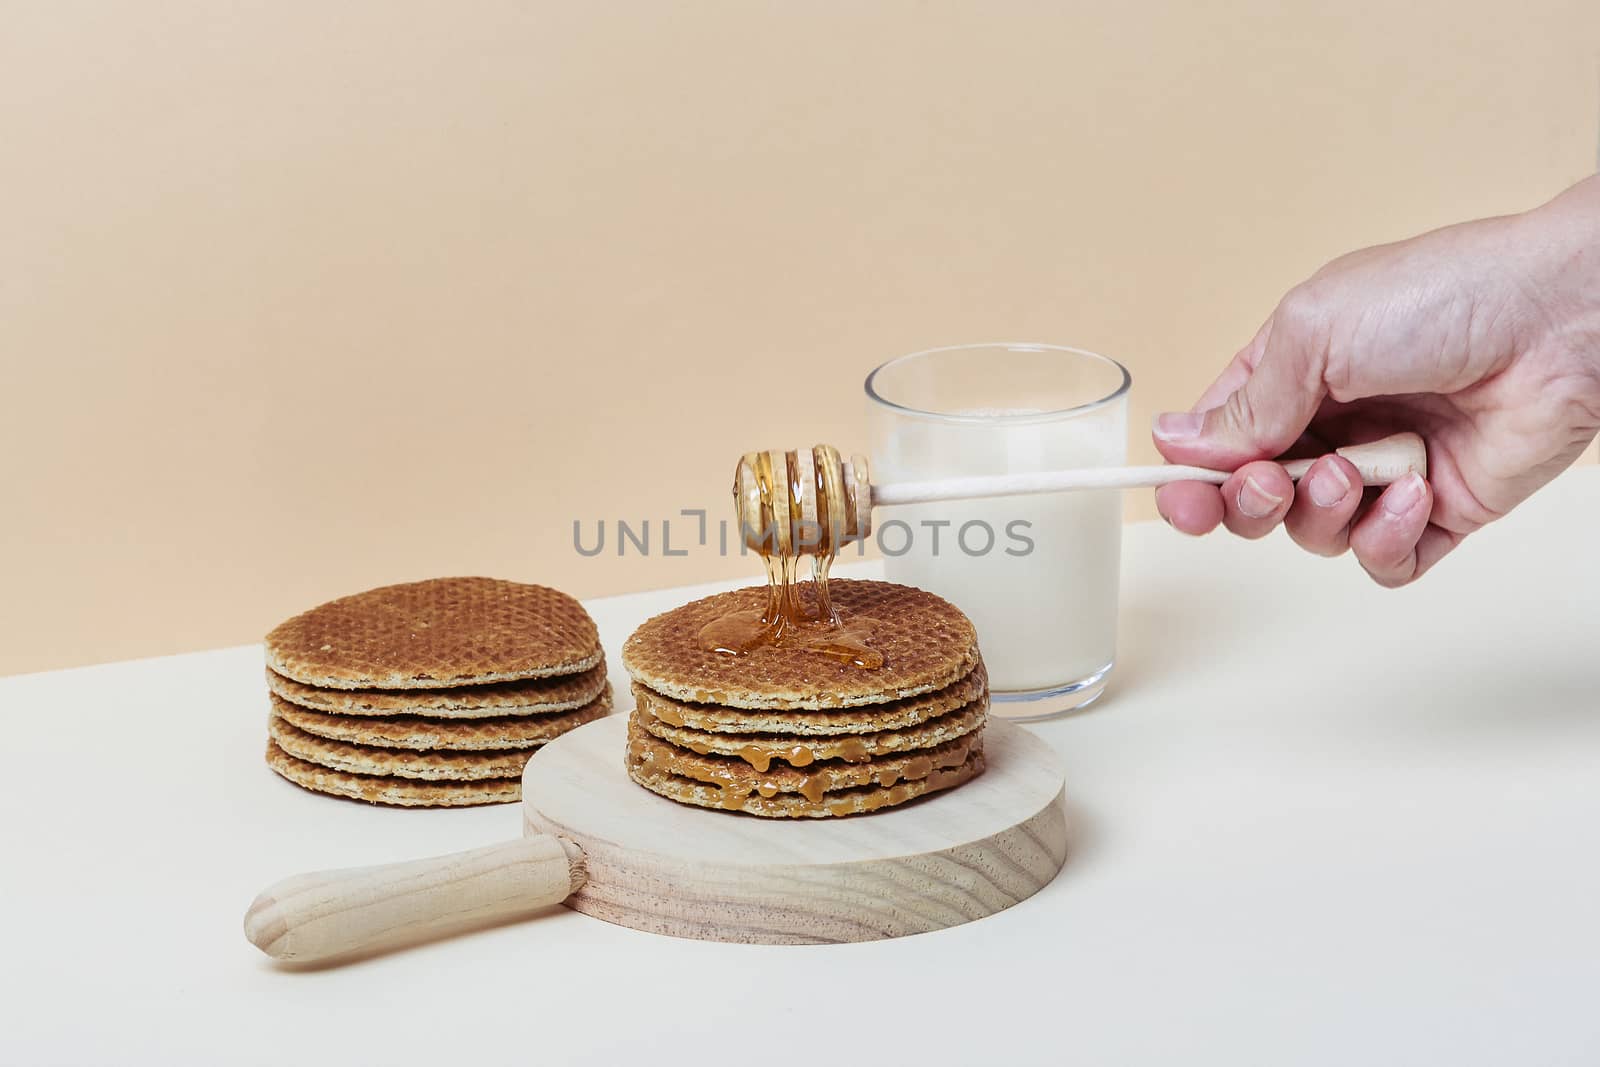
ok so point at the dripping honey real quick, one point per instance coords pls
(735, 787)
(784, 537)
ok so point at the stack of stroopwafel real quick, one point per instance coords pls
(783, 731)
(430, 694)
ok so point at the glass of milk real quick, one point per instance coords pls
(1037, 574)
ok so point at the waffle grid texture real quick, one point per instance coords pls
(536, 696)
(421, 732)
(436, 634)
(430, 694)
(802, 750)
(397, 792)
(783, 732)
(926, 642)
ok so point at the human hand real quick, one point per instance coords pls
(1484, 338)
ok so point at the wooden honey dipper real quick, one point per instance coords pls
(828, 500)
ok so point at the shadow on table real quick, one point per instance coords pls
(406, 944)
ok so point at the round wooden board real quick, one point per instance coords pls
(669, 868)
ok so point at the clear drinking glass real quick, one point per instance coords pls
(1037, 574)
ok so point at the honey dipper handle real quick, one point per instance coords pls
(324, 914)
(1379, 463)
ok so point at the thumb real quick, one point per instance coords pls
(1265, 414)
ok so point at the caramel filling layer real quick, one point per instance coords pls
(860, 800)
(738, 780)
(762, 751)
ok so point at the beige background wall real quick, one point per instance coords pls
(297, 298)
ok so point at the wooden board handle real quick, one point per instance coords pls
(325, 914)
(1379, 463)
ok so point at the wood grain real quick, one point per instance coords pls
(325, 914)
(673, 869)
(618, 852)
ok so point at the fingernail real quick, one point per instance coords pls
(1177, 425)
(1403, 495)
(1255, 501)
(1328, 485)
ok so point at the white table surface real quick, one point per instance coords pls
(1315, 822)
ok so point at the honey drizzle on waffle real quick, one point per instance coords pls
(652, 754)
(793, 504)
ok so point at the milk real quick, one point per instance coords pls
(1046, 616)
